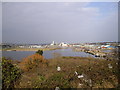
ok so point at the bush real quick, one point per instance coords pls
(32, 61)
(40, 52)
(10, 73)
(56, 80)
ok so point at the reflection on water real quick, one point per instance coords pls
(18, 55)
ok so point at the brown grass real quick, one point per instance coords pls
(47, 76)
(32, 61)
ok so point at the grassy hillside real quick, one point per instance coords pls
(97, 73)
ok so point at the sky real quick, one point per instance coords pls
(0, 22)
(71, 22)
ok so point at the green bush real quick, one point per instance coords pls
(57, 80)
(10, 73)
(40, 52)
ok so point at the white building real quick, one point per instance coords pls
(35, 46)
(21, 46)
(30, 46)
(53, 43)
(63, 44)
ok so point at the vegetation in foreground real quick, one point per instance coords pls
(76, 72)
(10, 74)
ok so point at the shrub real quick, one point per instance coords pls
(10, 73)
(40, 52)
(56, 80)
(32, 61)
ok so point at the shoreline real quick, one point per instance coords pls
(30, 49)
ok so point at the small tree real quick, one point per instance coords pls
(40, 52)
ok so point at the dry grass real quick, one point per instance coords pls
(94, 69)
(32, 61)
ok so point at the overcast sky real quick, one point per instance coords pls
(60, 22)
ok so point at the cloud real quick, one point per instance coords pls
(45, 22)
(60, 0)
(0, 22)
(90, 9)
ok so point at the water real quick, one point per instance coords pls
(107, 50)
(18, 55)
